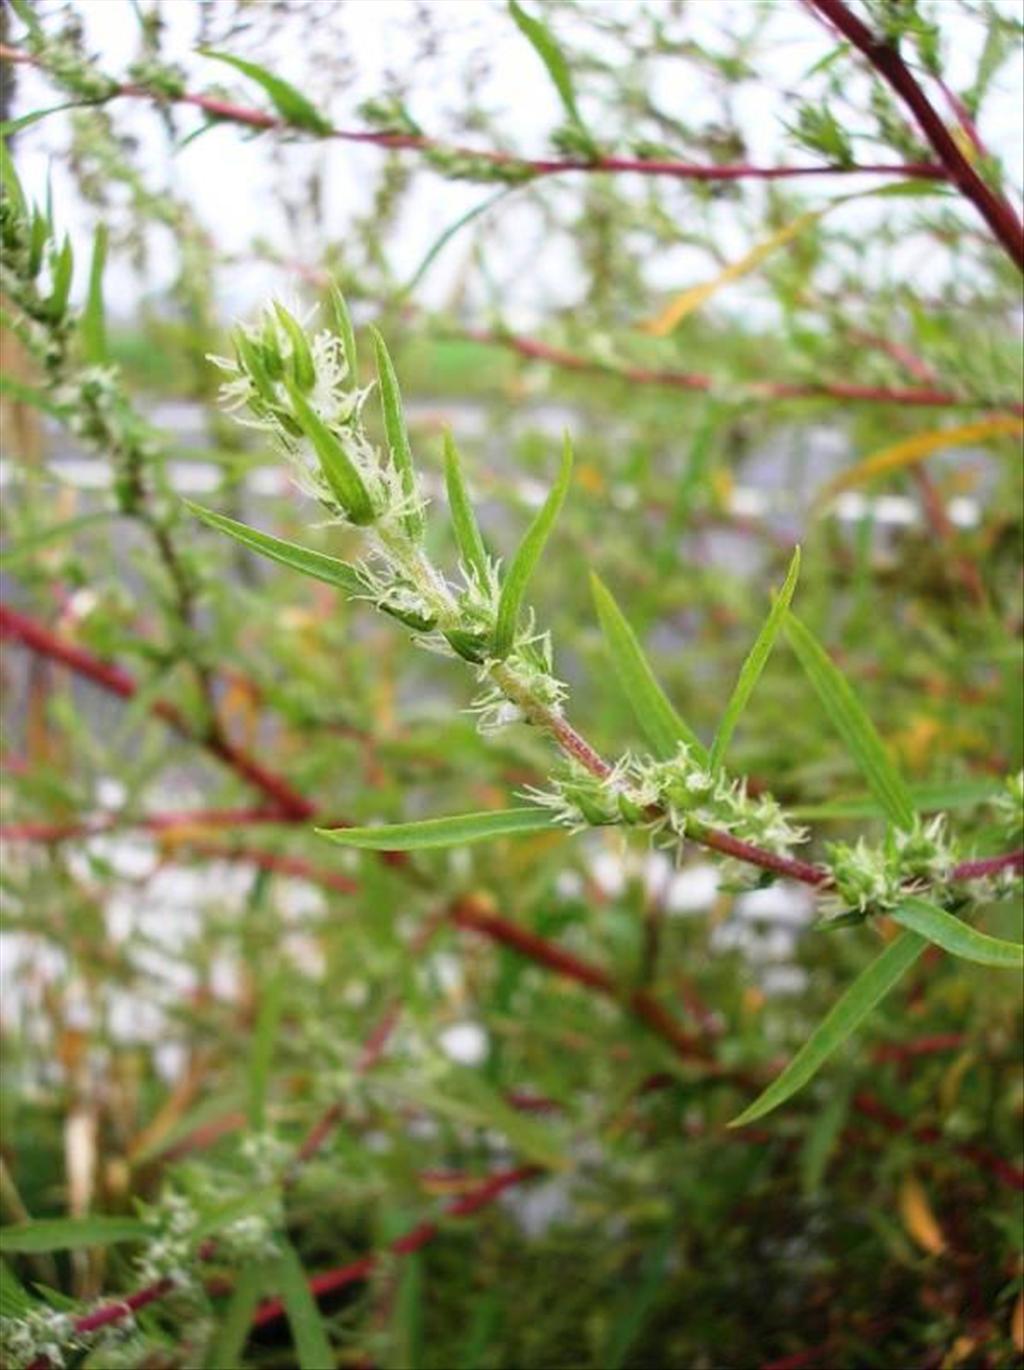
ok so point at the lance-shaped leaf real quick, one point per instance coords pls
(464, 524)
(70, 1234)
(38, 234)
(261, 1048)
(312, 1348)
(10, 126)
(232, 1333)
(525, 560)
(456, 831)
(61, 269)
(9, 179)
(303, 370)
(658, 720)
(916, 449)
(344, 480)
(317, 565)
(398, 436)
(55, 533)
(751, 670)
(852, 724)
(93, 323)
(449, 233)
(545, 46)
(845, 1016)
(956, 937)
(682, 305)
(467, 1098)
(291, 104)
(346, 333)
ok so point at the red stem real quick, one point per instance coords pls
(471, 914)
(872, 1107)
(699, 381)
(988, 865)
(156, 822)
(683, 171)
(1000, 216)
(40, 639)
(462, 1207)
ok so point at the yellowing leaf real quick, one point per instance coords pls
(1017, 1324)
(915, 449)
(918, 1218)
(669, 318)
(958, 1352)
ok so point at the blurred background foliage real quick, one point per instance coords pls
(194, 983)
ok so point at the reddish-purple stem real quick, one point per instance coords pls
(997, 212)
(43, 641)
(989, 865)
(926, 397)
(684, 171)
(462, 1207)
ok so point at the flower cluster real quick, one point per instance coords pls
(1009, 806)
(871, 879)
(39, 1335)
(671, 798)
(63, 58)
(301, 388)
(172, 1251)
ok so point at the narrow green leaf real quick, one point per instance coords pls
(449, 233)
(229, 1340)
(9, 179)
(69, 1234)
(34, 542)
(27, 394)
(852, 724)
(484, 1318)
(750, 672)
(820, 1141)
(845, 1016)
(397, 435)
(25, 12)
(14, 1300)
(409, 1313)
(37, 238)
(955, 936)
(317, 565)
(637, 1302)
(93, 322)
(466, 1097)
(10, 126)
(61, 268)
(303, 370)
(525, 560)
(543, 42)
(262, 1049)
(311, 1345)
(291, 104)
(464, 524)
(957, 794)
(341, 475)
(658, 720)
(346, 333)
(455, 831)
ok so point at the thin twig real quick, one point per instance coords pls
(997, 212)
(508, 162)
